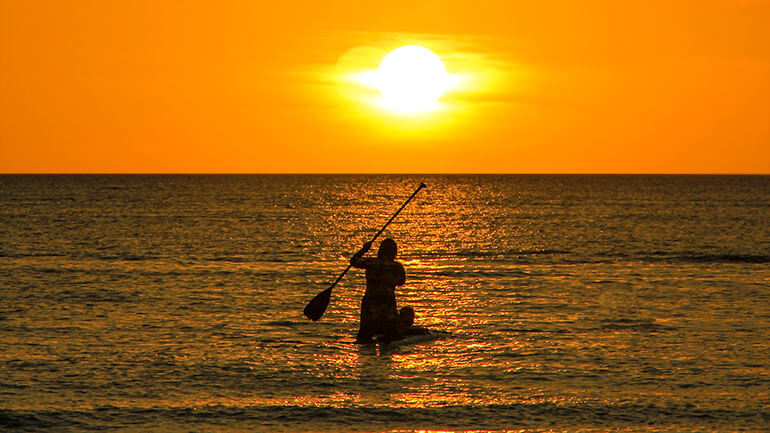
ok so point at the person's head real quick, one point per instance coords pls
(387, 249)
(406, 316)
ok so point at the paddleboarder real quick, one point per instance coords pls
(379, 314)
(316, 307)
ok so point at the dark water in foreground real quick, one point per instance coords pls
(574, 303)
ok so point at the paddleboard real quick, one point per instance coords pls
(416, 339)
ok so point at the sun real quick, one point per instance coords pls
(411, 79)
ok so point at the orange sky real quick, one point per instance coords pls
(253, 87)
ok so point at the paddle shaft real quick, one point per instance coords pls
(317, 306)
(422, 185)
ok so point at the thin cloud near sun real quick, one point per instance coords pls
(476, 77)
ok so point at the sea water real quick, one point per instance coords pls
(572, 303)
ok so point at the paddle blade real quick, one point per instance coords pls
(317, 306)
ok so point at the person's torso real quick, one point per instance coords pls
(382, 278)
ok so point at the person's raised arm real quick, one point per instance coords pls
(358, 260)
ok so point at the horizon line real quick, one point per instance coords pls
(369, 174)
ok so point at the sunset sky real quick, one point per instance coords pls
(268, 87)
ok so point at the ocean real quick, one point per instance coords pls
(566, 303)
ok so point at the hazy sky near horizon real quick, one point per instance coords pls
(260, 87)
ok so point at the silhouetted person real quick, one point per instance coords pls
(406, 318)
(379, 314)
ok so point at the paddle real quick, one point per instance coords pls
(317, 306)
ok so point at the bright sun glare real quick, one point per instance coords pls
(411, 79)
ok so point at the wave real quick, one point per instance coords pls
(571, 257)
(469, 273)
(317, 418)
(92, 295)
(648, 325)
(233, 259)
(28, 255)
(281, 323)
(471, 254)
(724, 258)
(84, 255)
(124, 256)
(692, 257)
